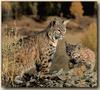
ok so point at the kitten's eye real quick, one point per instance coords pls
(83, 60)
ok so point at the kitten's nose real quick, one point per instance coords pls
(74, 61)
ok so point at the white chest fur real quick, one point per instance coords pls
(54, 43)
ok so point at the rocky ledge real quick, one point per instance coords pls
(58, 79)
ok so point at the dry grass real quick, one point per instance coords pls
(6, 5)
(90, 37)
(9, 67)
(61, 59)
(8, 62)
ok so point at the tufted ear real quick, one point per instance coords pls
(52, 23)
(78, 45)
(67, 44)
(66, 22)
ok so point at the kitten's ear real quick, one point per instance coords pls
(67, 44)
(78, 45)
(66, 22)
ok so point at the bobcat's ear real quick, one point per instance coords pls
(52, 23)
(66, 22)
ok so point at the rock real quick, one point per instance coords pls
(18, 80)
(59, 79)
(61, 75)
(27, 84)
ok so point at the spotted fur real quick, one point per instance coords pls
(35, 52)
(80, 56)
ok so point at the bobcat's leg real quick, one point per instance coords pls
(43, 66)
(25, 74)
(46, 61)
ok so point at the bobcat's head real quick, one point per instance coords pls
(57, 29)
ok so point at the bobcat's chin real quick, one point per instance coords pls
(59, 37)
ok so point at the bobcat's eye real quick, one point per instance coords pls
(58, 29)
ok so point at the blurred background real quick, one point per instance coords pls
(23, 18)
(42, 10)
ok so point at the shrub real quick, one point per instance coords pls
(76, 9)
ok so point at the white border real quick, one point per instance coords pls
(50, 88)
(50, 0)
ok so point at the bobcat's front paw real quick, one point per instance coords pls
(44, 76)
(18, 80)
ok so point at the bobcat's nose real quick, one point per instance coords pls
(73, 61)
(63, 33)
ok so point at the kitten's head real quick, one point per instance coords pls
(70, 48)
(57, 28)
(72, 51)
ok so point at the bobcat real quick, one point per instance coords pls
(81, 56)
(35, 52)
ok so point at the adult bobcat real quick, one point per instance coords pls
(37, 51)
